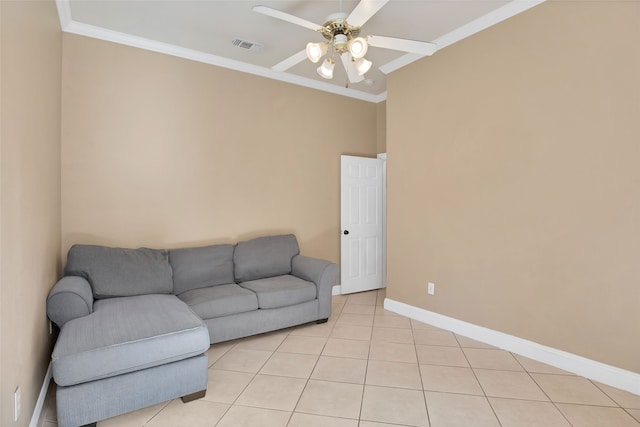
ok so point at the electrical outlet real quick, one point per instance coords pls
(16, 404)
(431, 288)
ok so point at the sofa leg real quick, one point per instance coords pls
(319, 321)
(90, 425)
(193, 396)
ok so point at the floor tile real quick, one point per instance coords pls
(216, 351)
(352, 332)
(366, 298)
(340, 369)
(198, 413)
(290, 365)
(635, 413)
(268, 342)
(393, 374)
(346, 348)
(375, 424)
(416, 325)
(394, 406)
(270, 392)
(133, 419)
(356, 319)
(572, 389)
(308, 420)
(391, 321)
(596, 416)
(47, 423)
(531, 365)
(492, 359)
(242, 416)
(238, 359)
(359, 309)
(450, 379)
(429, 337)
(509, 384)
(226, 386)
(471, 343)
(623, 398)
(521, 413)
(336, 309)
(314, 329)
(392, 352)
(341, 299)
(459, 410)
(395, 335)
(302, 345)
(331, 398)
(439, 355)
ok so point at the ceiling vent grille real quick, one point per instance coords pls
(246, 44)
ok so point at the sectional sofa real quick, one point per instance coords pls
(135, 323)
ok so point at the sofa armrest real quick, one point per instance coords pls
(70, 298)
(321, 272)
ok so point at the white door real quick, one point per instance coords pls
(361, 254)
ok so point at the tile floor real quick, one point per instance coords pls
(368, 367)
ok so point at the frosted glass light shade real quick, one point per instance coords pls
(362, 65)
(358, 47)
(326, 69)
(315, 51)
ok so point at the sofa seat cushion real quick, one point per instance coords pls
(127, 334)
(281, 291)
(220, 300)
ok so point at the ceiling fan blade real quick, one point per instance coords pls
(290, 61)
(350, 68)
(412, 46)
(364, 11)
(286, 17)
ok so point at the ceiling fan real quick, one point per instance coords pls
(342, 33)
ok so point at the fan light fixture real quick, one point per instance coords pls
(341, 38)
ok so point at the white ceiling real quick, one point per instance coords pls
(203, 30)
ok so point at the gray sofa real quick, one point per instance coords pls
(135, 323)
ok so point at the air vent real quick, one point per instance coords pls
(246, 44)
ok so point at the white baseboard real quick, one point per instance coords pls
(606, 374)
(337, 290)
(37, 411)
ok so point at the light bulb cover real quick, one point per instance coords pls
(362, 65)
(358, 47)
(326, 69)
(315, 51)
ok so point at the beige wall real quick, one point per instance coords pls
(381, 129)
(30, 196)
(514, 182)
(160, 151)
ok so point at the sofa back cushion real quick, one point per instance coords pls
(195, 268)
(264, 257)
(118, 272)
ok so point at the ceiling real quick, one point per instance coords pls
(203, 30)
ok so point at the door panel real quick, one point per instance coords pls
(361, 222)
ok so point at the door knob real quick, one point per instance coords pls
(346, 232)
